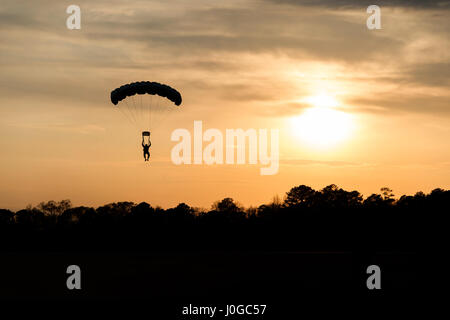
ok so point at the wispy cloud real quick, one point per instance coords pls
(418, 4)
(60, 127)
(303, 162)
(208, 48)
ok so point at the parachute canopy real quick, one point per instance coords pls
(143, 87)
(146, 104)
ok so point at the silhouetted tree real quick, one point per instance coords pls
(74, 215)
(225, 210)
(300, 196)
(374, 201)
(29, 218)
(334, 197)
(54, 208)
(226, 205)
(388, 196)
(331, 218)
(6, 217)
(182, 213)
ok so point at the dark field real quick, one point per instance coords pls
(204, 275)
(314, 244)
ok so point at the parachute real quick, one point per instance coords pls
(145, 104)
(144, 87)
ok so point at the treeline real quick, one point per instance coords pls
(306, 219)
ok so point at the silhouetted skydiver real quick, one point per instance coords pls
(146, 148)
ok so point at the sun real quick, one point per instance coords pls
(322, 100)
(322, 126)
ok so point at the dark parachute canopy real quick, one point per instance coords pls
(143, 87)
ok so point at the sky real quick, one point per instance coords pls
(359, 108)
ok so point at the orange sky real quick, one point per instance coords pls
(238, 64)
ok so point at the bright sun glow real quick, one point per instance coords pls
(322, 100)
(321, 126)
